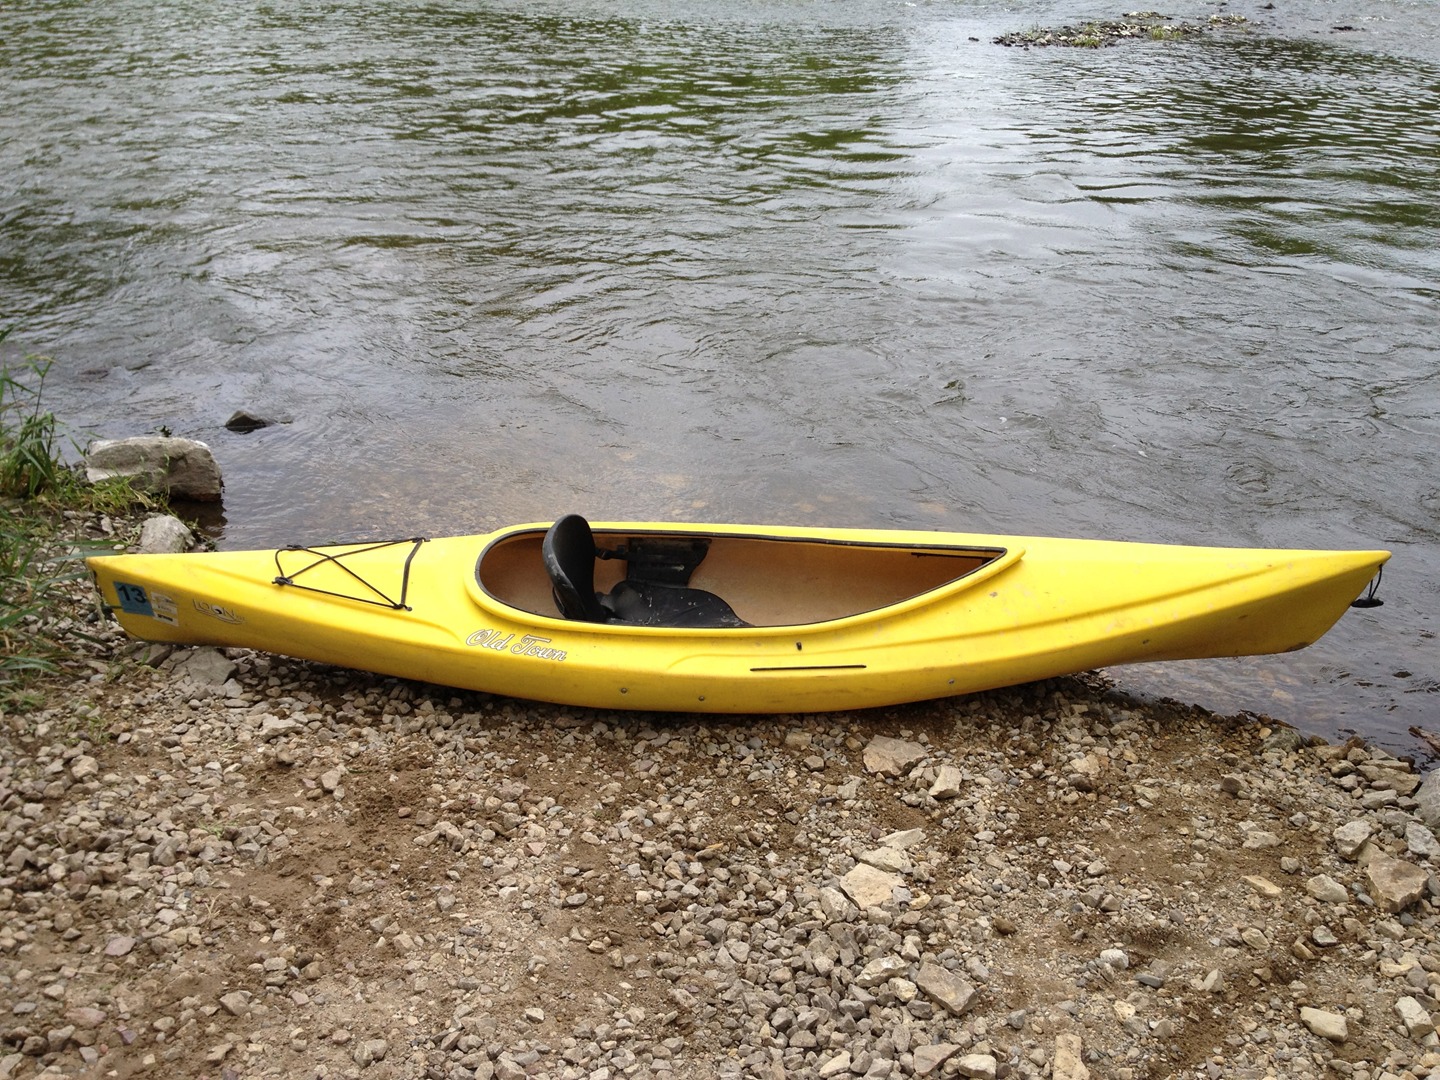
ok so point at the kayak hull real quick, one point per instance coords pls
(839, 619)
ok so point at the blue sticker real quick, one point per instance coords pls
(133, 600)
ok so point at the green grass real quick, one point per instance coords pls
(37, 487)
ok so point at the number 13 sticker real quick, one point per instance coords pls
(134, 600)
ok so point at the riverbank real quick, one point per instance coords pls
(236, 865)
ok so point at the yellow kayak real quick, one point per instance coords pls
(736, 618)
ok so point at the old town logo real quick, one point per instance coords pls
(528, 645)
(216, 611)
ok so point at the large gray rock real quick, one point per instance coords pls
(179, 468)
(162, 534)
(1395, 883)
(1427, 799)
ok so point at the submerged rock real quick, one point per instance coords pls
(1132, 26)
(243, 422)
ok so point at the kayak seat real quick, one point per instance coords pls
(645, 603)
(569, 553)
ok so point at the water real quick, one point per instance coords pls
(762, 260)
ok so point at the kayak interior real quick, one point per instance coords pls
(765, 580)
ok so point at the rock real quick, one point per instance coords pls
(976, 1066)
(1264, 886)
(1414, 1016)
(835, 906)
(242, 421)
(1427, 798)
(1420, 841)
(902, 840)
(892, 757)
(84, 767)
(10, 1065)
(838, 1065)
(946, 989)
(236, 1003)
(1118, 959)
(1327, 1025)
(880, 970)
(1351, 838)
(330, 780)
(180, 468)
(1256, 839)
(1285, 740)
(870, 887)
(1376, 800)
(1395, 883)
(86, 1017)
(948, 783)
(1326, 889)
(119, 946)
(890, 860)
(931, 1057)
(273, 727)
(206, 667)
(1069, 1058)
(164, 534)
(369, 1051)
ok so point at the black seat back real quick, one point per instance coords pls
(569, 553)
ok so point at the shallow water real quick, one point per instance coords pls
(762, 261)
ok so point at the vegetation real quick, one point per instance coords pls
(37, 488)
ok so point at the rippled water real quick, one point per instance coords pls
(762, 260)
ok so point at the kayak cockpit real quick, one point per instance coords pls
(711, 578)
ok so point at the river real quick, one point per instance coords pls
(767, 261)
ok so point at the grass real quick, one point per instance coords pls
(37, 487)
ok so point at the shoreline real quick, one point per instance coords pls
(233, 864)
